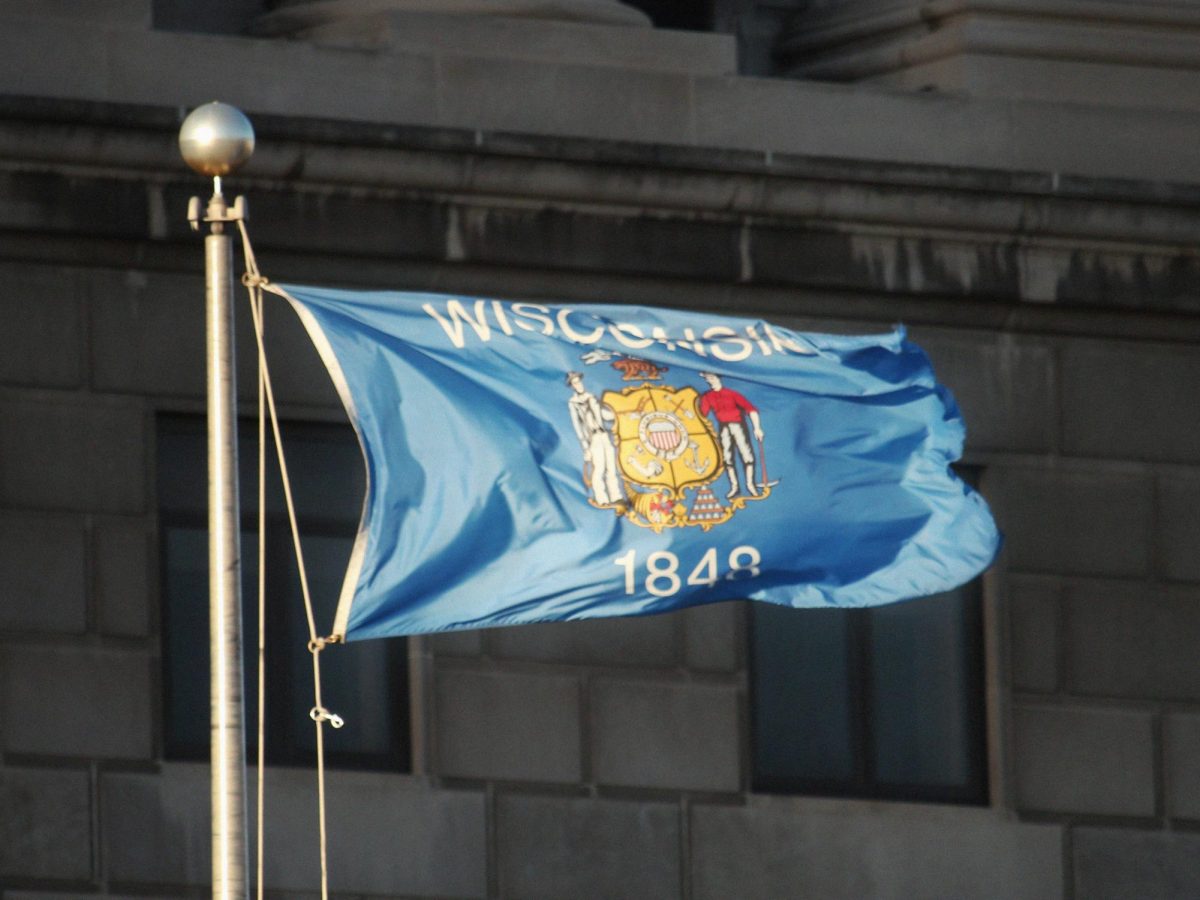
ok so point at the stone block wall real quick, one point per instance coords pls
(600, 759)
(1102, 617)
(76, 665)
(609, 759)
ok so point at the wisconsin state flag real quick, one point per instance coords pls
(532, 462)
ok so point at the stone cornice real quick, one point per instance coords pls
(597, 103)
(141, 139)
(299, 16)
(843, 22)
(527, 38)
(519, 211)
(865, 39)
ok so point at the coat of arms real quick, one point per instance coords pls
(652, 455)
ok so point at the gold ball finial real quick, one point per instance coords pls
(216, 138)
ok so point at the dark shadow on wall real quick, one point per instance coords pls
(757, 24)
(691, 15)
(224, 17)
(233, 16)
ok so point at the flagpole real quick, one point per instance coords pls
(215, 139)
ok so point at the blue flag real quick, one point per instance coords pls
(530, 462)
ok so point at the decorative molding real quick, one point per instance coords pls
(534, 40)
(1103, 51)
(521, 215)
(300, 18)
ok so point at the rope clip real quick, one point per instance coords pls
(316, 645)
(321, 714)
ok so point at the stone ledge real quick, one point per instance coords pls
(382, 192)
(567, 100)
(302, 17)
(853, 251)
(38, 132)
(534, 40)
(976, 45)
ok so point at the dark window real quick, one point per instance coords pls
(693, 15)
(364, 682)
(886, 702)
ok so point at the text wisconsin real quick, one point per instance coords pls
(486, 319)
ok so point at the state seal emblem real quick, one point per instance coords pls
(652, 455)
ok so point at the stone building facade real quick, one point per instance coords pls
(1015, 181)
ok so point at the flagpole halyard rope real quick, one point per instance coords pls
(254, 282)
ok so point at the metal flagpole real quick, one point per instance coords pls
(214, 140)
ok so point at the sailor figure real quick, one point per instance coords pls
(591, 421)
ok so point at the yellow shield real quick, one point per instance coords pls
(663, 441)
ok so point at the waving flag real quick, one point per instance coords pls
(529, 462)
